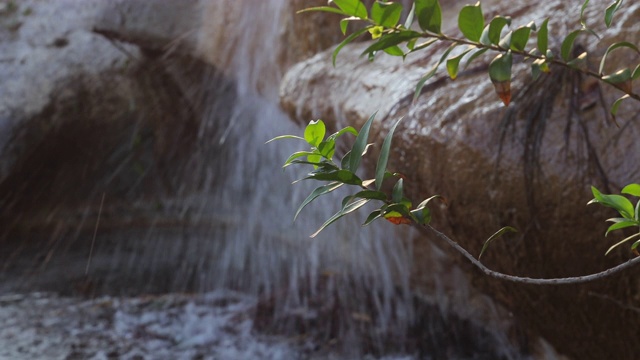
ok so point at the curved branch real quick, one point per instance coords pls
(527, 280)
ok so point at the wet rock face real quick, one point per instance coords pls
(528, 166)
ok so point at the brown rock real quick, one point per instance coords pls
(529, 165)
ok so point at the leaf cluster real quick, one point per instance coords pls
(393, 205)
(531, 42)
(629, 215)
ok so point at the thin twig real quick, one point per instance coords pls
(528, 280)
(95, 232)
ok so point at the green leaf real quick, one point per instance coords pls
(616, 105)
(394, 51)
(348, 129)
(454, 62)
(422, 215)
(632, 237)
(409, 21)
(635, 245)
(371, 194)
(613, 47)
(314, 159)
(495, 28)
(389, 40)
(621, 225)
(345, 22)
(429, 15)
(397, 193)
(381, 167)
(543, 37)
(325, 189)
(608, 13)
(567, 44)
(582, 9)
(297, 155)
(636, 73)
(327, 148)
(471, 21)
(473, 56)
(520, 37)
(346, 41)
(632, 189)
(386, 14)
(342, 175)
(498, 233)
(344, 163)
(500, 67)
(360, 145)
(285, 137)
(349, 208)
(352, 7)
(376, 214)
(432, 72)
(618, 202)
(314, 132)
(323, 9)
(618, 77)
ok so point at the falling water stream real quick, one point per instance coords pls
(235, 207)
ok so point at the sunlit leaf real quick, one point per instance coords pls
(347, 130)
(498, 234)
(495, 28)
(616, 105)
(314, 132)
(621, 225)
(454, 62)
(297, 155)
(352, 7)
(520, 36)
(636, 73)
(386, 14)
(632, 189)
(618, 202)
(429, 15)
(471, 21)
(285, 137)
(381, 167)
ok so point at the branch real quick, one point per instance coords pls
(528, 280)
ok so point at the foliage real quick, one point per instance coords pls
(629, 215)
(397, 38)
(394, 206)
(401, 38)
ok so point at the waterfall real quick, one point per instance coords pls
(228, 221)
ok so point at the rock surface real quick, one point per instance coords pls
(529, 165)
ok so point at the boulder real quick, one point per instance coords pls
(529, 165)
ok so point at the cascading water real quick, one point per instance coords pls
(228, 222)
